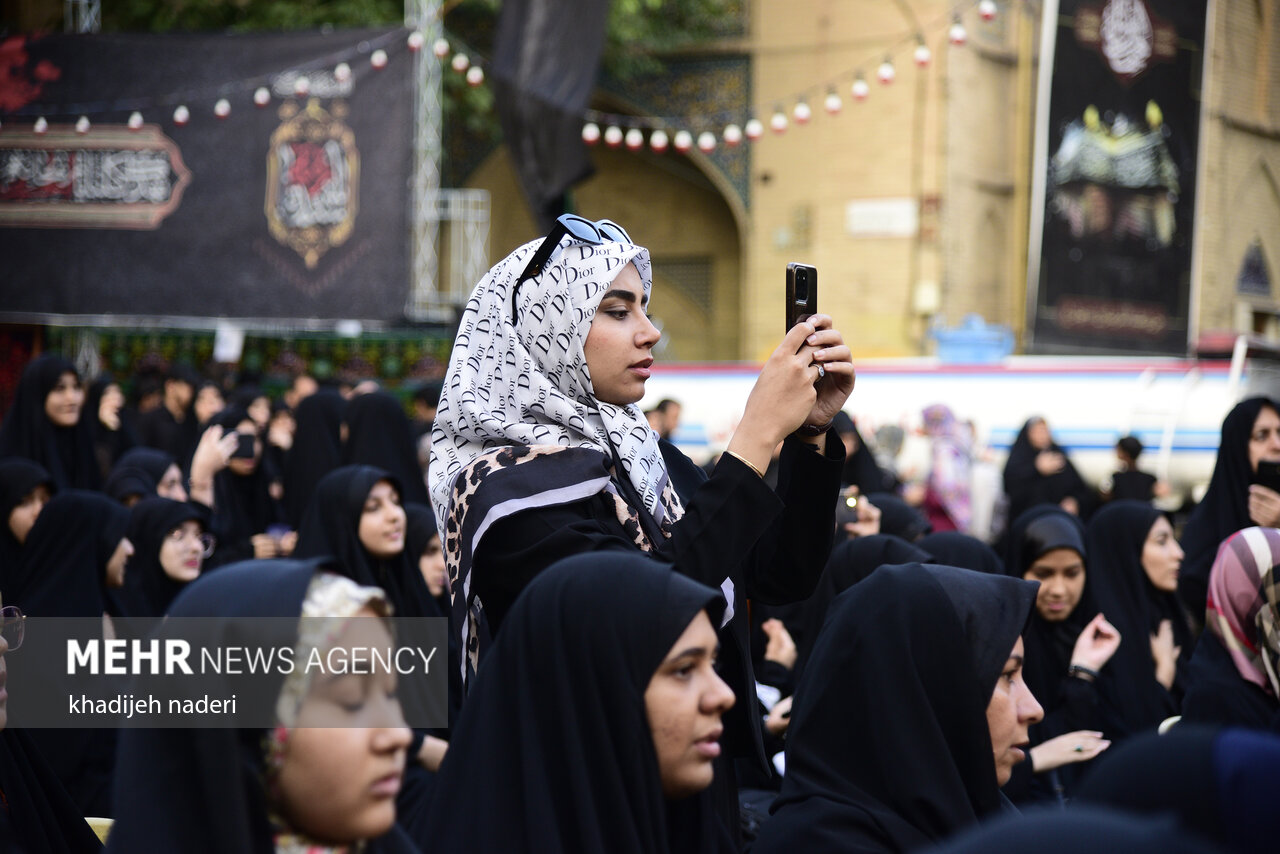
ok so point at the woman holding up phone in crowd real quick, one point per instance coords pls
(1235, 499)
(539, 451)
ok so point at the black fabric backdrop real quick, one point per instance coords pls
(1103, 285)
(215, 254)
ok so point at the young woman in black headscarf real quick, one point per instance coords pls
(287, 789)
(169, 547)
(243, 510)
(1250, 433)
(45, 424)
(1069, 644)
(1134, 562)
(422, 545)
(162, 469)
(316, 450)
(74, 557)
(539, 450)
(112, 434)
(36, 814)
(25, 487)
(1233, 677)
(594, 722)
(378, 433)
(910, 716)
(356, 518)
(860, 466)
(1038, 471)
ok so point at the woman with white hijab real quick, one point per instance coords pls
(539, 451)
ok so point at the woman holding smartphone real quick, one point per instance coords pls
(539, 451)
(1234, 500)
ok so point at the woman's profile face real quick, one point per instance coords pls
(1010, 714)
(117, 562)
(23, 517)
(209, 402)
(1162, 556)
(382, 522)
(343, 762)
(1264, 441)
(684, 702)
(619, 345)
(432, 566)
(170, 485)
(182, 552)
(63, 403)
(1038, 435)
(1061, 576)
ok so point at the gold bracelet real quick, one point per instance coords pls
(746, 462)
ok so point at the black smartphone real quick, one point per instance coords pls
(245, 449)
(802, 292)
(1268, 474)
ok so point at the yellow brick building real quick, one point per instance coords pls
(913, 204)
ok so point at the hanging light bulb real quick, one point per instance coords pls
(732, 135)
(82, 125)
(41, 125)
(922, 53)
(301, 86)
(475, 76)
(415, 41)
(683, 141)
(778, 122)
(342, 72)
(659, 141)
(987, 9)
(635, 139)
(378, 59)
(957, 35)
(802, 112)
(262, 96)
(440, 48)
(135, 120)
(860, 90)
(460, 62)
(832, 103)
(754, 129)
(222, 108)
(706, 142)
(886, 73)
(591, 133)
(613, 136)
(181, 115)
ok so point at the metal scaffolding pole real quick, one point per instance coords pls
(424, 16)
(82, 16)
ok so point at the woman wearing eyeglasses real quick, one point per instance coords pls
(170, 544)
(539, 451)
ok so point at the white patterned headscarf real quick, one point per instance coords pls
(528, 383)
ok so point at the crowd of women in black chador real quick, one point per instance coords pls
(643, 655)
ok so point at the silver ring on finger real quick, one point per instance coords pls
(822, 372)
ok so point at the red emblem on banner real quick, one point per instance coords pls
(313, 171)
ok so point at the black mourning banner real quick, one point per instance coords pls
(296, 209)
(1124, 108)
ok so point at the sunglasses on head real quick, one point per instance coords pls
(582, 231)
